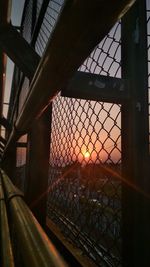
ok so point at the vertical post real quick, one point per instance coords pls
(136, 207)
(9, 163)
(38, 166)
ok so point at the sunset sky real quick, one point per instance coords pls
(103, 141)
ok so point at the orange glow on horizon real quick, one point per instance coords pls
(86, 154)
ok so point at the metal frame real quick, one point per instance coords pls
(131, 92)
(135, 148)
(97, 87)
(29, 231)
(20, 52)
(72, 57)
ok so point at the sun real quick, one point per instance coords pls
(87, 154)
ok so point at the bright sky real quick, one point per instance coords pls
(17, 8)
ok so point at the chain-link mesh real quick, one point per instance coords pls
(84, 198)
(49, 21)
(27, 22)
(85, 155)
(148, 47)
(39, 5)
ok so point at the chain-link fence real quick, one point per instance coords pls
(84, 185)
(30, 18)
(27, 21)
(49, 21)
(85, 153)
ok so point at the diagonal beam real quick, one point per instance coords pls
(4, 122)
(96, 87)
(18, 49)
(2, 140)
(77, 32)
(2, 146)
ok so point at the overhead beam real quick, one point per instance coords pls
(76, 34)
(96, 87)
(21, 144)
(67, 48)
(18, 49)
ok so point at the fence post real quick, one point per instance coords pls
(38, 166)
(135, 205)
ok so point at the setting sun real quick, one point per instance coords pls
(87, 154)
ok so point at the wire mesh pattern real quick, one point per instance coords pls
(84, 198)
(85, 163)
(148, 48)
(39, 5)
(85, 159)
(27, 22)
(49, 21)
(105, 59)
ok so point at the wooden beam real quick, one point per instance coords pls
(96, 87)
(18, 49)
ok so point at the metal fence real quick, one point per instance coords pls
(50, 17)
(85, 163)
(85, 153)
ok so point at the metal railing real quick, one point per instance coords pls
(89, 196)
(6, 247)
(36, 249)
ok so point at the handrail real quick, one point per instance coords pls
(77, 32)
(36, 249)
(6, 248)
